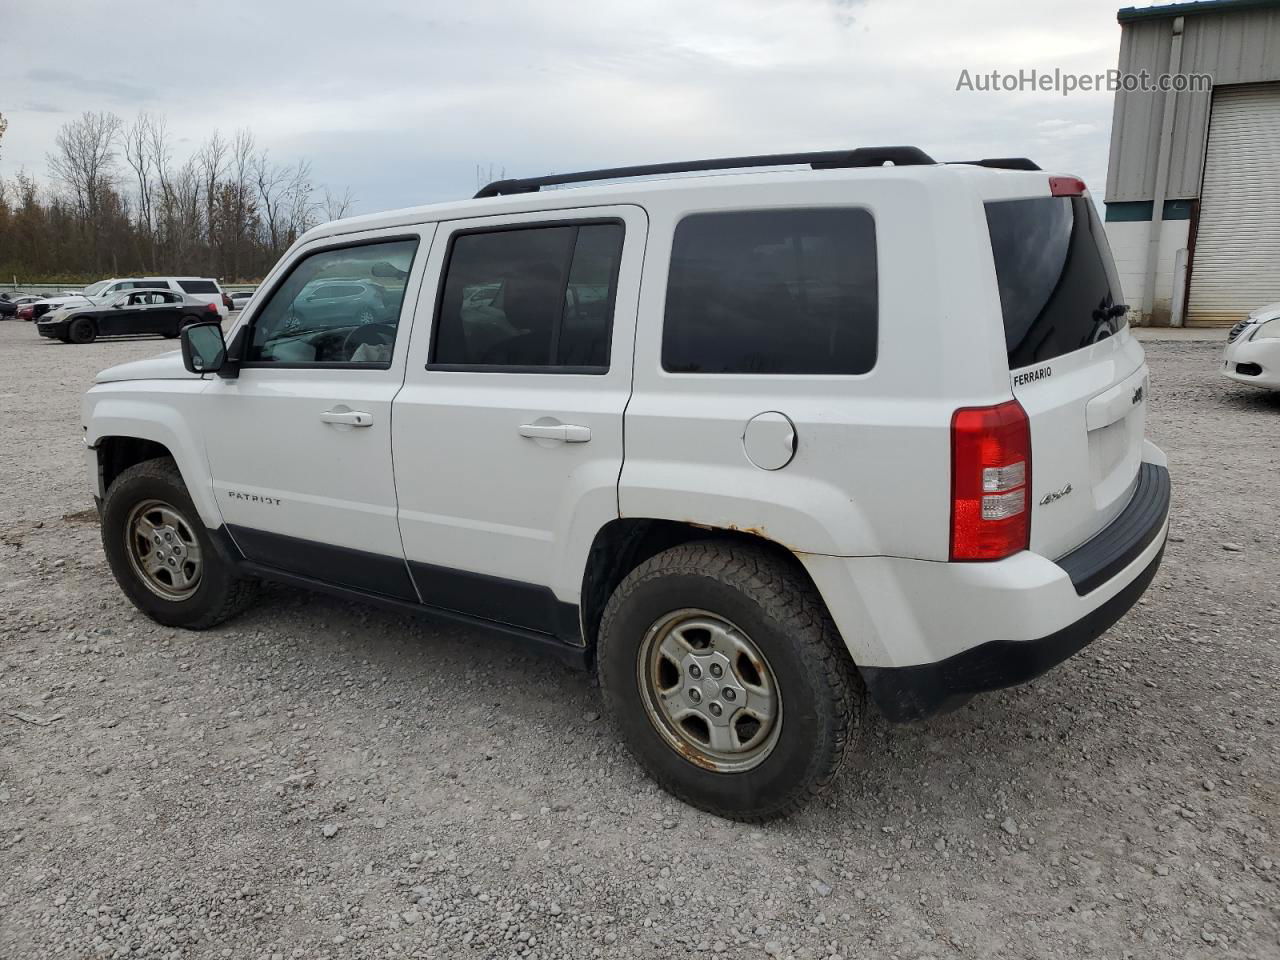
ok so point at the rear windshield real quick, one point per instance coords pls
(198, 286)
(1058, 286)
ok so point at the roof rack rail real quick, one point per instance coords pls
(1001, 163)
(821, 160)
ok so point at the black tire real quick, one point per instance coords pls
(82, 330)
(221, 592)
(822, 694)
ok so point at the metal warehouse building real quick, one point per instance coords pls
(1193, 181)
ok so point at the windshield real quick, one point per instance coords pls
(95, 288)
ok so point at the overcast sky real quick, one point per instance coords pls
(401, 100)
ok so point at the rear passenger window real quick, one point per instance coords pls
(537, 298)
(198, 286)
(772, 292)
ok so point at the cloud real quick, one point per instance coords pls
(401, 99)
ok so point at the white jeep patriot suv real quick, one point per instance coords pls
(757, 445)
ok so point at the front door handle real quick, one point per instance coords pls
(564, 432)
(352, 418)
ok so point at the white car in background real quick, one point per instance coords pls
(1252, 355)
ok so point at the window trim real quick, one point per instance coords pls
(252, 321)
(560, 368)
(666, 371)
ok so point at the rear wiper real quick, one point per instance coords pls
(1113, 312)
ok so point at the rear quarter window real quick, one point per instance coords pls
(198, 286)
(772, 292)
(1058, 285)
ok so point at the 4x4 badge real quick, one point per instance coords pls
(1137, 395)
(1055, 495)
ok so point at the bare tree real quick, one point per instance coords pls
(299, 196)
(211, 159)
(271, 182)
(228, 209)
(85, 164)
(136, 140)
(336, 207)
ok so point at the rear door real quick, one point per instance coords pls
(162, 312)
(1074, 366)
(508, 432)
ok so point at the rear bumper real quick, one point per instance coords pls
(911, 693)
(928, 635)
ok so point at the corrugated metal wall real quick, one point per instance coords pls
(1237, 256)
(1236, 47)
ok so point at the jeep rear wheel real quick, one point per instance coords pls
(161, 554)
(727, 679)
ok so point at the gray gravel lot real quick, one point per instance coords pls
(324, 779)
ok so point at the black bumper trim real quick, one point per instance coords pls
(1096, 561)
(912, 693)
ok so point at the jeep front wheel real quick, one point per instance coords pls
(727, 679)
(161, 554)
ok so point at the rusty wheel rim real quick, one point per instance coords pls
(163, 550)
(709, 691)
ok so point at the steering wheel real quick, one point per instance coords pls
(374, 334)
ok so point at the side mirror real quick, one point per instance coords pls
(203, 349)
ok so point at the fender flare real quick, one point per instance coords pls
(136, 417)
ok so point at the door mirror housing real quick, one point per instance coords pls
(203, 348)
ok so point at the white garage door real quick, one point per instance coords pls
(1237, 254)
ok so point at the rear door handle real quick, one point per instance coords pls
(564, 432)
(352, 418)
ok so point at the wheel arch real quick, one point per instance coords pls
(624, 543)
(123, 431)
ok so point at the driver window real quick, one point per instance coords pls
(336, 306)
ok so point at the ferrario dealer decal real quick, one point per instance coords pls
(1031, 376)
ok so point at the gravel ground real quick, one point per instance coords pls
(323, 779)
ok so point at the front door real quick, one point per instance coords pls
(299, 444)
(508, 433)
(122, 317)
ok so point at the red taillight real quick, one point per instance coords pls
(211, 308)
(1066, 187)
(990, 482)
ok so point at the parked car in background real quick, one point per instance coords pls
(241, 298)
(11, 305)
(163, 312)
(27, 311)
(203, 289)
(1252, 354)
(333, 303)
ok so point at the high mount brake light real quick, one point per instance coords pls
(1066, 187)
(990, 482)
